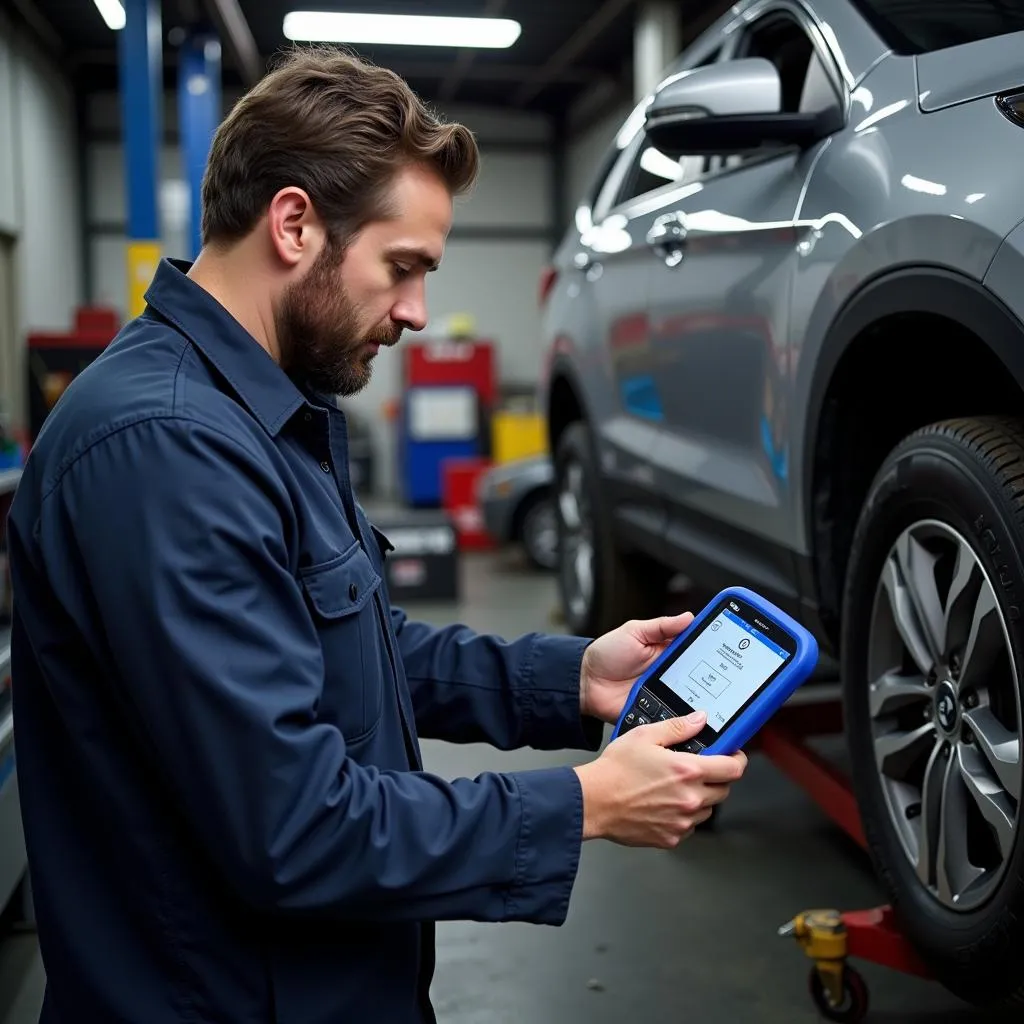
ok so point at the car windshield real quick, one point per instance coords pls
(920, 26)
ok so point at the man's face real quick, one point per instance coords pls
(333, 321)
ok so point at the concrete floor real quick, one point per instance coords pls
(651, 936)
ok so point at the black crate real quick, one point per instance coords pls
(425, 563)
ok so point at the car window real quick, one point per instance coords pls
(781, 39)
(921, 26)
(600, 179)
(651, 169)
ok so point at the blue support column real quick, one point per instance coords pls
(199, 113)
(140, 47)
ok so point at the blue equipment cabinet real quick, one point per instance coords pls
(436, 423)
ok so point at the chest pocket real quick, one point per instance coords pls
(341, 596)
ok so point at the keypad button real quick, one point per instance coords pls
(664, 715)
(642, 720)
(648, 704)
(629, 721)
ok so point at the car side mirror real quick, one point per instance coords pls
(731, 107)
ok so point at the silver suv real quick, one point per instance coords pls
(786, 349)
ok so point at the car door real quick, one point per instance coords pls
(722, 256)
(613, 268)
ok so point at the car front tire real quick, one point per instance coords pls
(933, 677)
(538, 531)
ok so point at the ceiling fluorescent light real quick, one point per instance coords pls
(400, 29)
(113, 13)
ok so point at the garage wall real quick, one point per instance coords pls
(39, 202)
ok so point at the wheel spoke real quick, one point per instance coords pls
(999, 746)
(962, 597)
(917, 567)
(894, 691)
(906, 619)
(954, 872)
(984, 643)
(931, 814)
(897, 752)
(584, 571)
(989, 797)
(569, 498)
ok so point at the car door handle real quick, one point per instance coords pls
(588, 265)
(667, 238)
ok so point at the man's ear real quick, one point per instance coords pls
(295, 230)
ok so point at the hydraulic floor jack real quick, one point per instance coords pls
(831, 938)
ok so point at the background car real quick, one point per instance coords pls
(787, 351)
(516, 500)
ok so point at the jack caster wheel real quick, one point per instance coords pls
(854, 1006)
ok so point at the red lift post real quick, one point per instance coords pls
(830, 937)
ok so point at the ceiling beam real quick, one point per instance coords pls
(237, 38)
(465, 57)
(570, 50)
(436, 70)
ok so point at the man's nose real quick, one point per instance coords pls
(411, 312)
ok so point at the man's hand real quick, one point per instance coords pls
(612, 663)
(638, 793)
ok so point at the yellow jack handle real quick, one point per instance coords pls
(821, 934)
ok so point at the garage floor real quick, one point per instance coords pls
(651, 936)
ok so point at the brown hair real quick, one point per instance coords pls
(336, 126)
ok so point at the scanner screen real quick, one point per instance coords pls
(723, 667)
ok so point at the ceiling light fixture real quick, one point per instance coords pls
(400, 29)
(113, 13)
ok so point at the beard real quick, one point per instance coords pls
(318, 331)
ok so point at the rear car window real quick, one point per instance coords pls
(920, 26)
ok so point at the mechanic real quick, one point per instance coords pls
(225, 808)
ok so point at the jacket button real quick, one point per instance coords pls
(325, 466)
(353, 591)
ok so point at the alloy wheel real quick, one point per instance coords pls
(540, 534)
(576, 557)
(945, 708)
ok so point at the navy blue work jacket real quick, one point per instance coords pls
(217, 711)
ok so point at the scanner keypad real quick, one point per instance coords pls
(646, 709)
(647, 704)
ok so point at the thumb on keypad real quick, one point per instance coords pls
(671, 731)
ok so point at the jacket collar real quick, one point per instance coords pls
(260, 384)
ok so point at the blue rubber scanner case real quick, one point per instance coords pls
(785, 656)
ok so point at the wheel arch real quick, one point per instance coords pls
(973, 349)
(566, 403)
